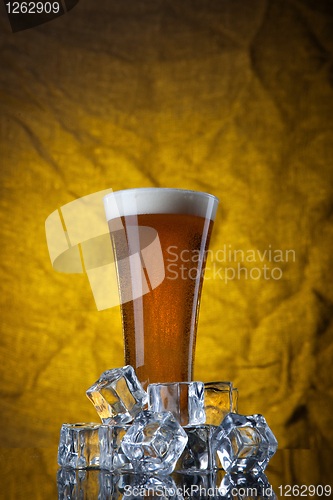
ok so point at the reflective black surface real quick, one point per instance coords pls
(32, 474)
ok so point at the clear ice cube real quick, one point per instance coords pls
(185, 400)
(154, 442)
(220, 399)
(117, 395)
(79, 446)
(112, 456)
(243, 444)
(197, 455)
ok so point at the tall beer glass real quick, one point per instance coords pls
(160, 239)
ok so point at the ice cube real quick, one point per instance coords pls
(112, 456)
(197, 455)
(243, 444)
(220, 399)
(117, 395)
(79, 446)
(185, 400)
(154, 442)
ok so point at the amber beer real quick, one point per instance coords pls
(160, 322)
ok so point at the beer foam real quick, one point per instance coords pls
(159, 201)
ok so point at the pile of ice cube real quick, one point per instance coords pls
(188, 427)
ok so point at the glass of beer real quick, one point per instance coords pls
(160, 239)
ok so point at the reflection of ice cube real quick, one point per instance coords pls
(197, 455)
(112, 456)
(75, 484)
(79, 446)
(243, 444)
(194, 486)
(154, 442)
(185, 400)
(247, 486)
(160, 487)
(111, 486)
(117, 395)
(220, 399)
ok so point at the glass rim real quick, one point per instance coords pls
(219, 382)
(156, 189)
(79, 425)
(175, 383)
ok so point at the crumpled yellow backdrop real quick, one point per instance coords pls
(229, 97)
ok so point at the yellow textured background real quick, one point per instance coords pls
(230, 97)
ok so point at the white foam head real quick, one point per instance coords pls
(159, 201)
